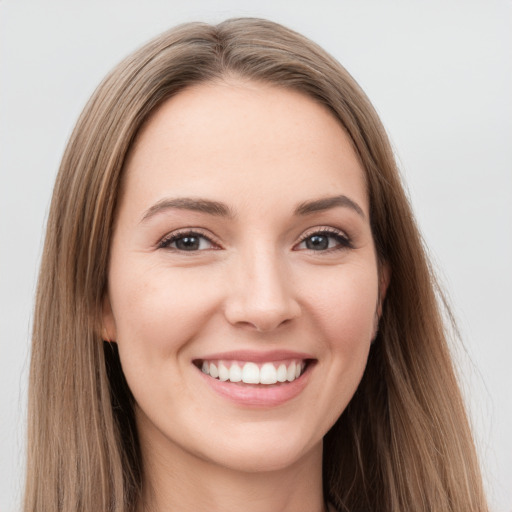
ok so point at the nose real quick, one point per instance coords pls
(261, 293)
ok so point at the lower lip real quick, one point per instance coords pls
(259, 395)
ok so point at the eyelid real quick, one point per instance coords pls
(167, 239)
(327, 230)
(183, 232)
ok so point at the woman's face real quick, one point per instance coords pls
(243, 284)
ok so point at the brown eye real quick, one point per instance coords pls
(188, 242)
(317, 242)
(324, 241)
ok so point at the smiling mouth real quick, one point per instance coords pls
(248, 372)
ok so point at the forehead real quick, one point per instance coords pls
(243, 140)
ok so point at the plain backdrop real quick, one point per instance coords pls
(439, 74)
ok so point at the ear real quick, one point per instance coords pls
(384, 279)
(108, 323)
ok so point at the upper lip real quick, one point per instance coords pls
(256, 356)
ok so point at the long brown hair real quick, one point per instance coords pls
(402, 444)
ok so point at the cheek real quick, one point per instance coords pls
(342, 307)
(345, 307)
(158, 314)
(157, 309)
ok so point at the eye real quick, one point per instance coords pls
(324, 240)
(188, 241)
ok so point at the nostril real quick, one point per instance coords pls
(261, 319)
(264, 301)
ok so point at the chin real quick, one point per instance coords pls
(264, 453)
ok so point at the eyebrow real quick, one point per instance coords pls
(189, 203)
(326, 203)
(219, 209)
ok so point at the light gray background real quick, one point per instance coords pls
(438, 72)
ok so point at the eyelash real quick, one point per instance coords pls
(342, 240)
(166, 242)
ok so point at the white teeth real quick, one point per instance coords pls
(213, 371)
(281, 373)
(235, 373)
(223, 372)
(290, 373)
(252, 373)
(268, 374)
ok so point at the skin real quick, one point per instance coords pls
(256, 284)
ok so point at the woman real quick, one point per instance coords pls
(235, 311)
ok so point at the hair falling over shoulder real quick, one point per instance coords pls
(403, 443)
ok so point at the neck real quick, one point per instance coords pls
(178, 480)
